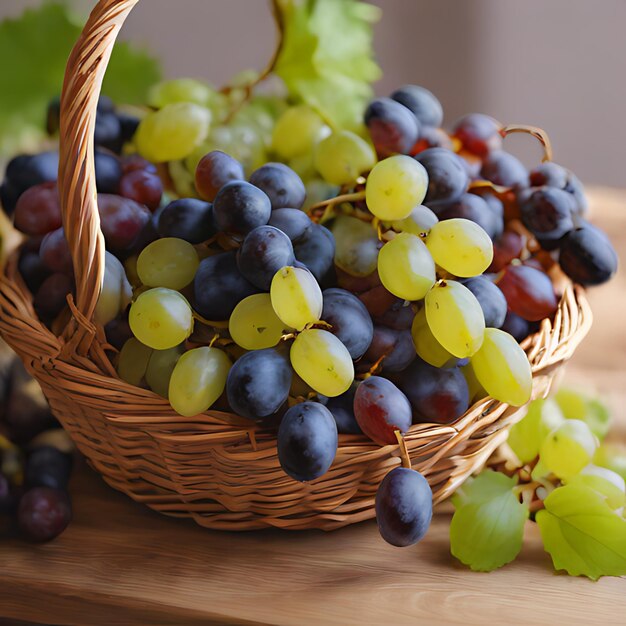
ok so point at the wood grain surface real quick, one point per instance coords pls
(119, 563)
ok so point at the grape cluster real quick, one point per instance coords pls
(358, 283)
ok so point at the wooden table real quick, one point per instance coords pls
(119, 563)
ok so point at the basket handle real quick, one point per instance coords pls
(85, 70)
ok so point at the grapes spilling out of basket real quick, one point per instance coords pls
(317, 281)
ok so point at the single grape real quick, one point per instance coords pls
(447, 178)
(406, 267)
(116, 292)
(38, 210)
(160, 367)
(168, 262)
(421, 102)
(490, 298)
(219, 286)
(349, 320)
(399, 315)
(357, 246)
(476, 391)
(108, 131)
(460, 247)
(506, 247)
(553, 175)
(504, 169)
(172, 132)
(316, 250)
(528, 291)
(282, 185)
(431, 137)
(395, 186)
(133, 163)
(128, 126)
(296, 224)
(44, 513)
(502, 368)
(395, 346)
(214, 170)
(263, 252)
(32, 269)
(188, 218)
(342, 409)
(142, 187)
(55, 252)
(547, 213)
(51, 297)
(381, 409)
(296, 297)
(179, 90)
(419, 222)
(604, 481)
(254, 325)
(26, 171)
(475, 208)
(46, 466)
(240, 207)
(404, 507)
(478, 134)
(108, 172)
(198, 380)
(133, 361)
(122, 221)
(516, 326)
(426, 346)
(322, 361)
(455, 318)
(393, 127)
(342, 157)
(161, 318)
(307, 441)
(587, 256)
(568, 448)
(297, 131)
(258, 383)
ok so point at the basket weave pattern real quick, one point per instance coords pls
(217, 468)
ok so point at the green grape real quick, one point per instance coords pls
(180, 90)
(168, 262)
(161, 318)
(254, 325)
(133, 361)
(460, 247)
(568, 448)
(419, 221)
(130, 267)
(502, 368)
(198, 380)
(116, 291)
(613, 457)
(605, 482)
(426, 346)
(304, 166)
(172, 132)
(342, 157)
(296, 297)
(318, 190)
(455, 318)
(183, 179)
(297, 131)
(322, 361)
(160, 368)
(356, 244)
(476, 391)
(406, 268)
(395, 187)
(578, 406)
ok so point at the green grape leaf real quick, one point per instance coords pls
(582, 534)
(575, 405)
(487, 527)
(326, 59)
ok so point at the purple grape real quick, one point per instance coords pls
(296, 224)
(392, 126)
(108, 172)
(447, 178)
(504, 169)
(55, 253)
(317, 251)
(214, 170)
(44, 513)
(38, 210)
(282, 185)
(342, 408)
(47, 467)
(240, 207)
(422, 103)
(397, 347)
(187, 218)
(122, 221)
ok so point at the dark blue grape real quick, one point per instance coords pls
(240, 207)
(219, 286)
(317, 251)
(547, 213)
(282, 185)
(554, 175)
(342, 408)
(396, 346)
(108, 132)
(436, 395)
(258, 383)
(128, 126)
(47, 467)
(490, 298)
(472, 207)
(214, 170)
(108, 172)
(188, 218)
(26, 171)
(307, 441)
(447, 178)
(263, 252)
(32, 269)
(44, 513)
(502, 168)
(398, 316)
(422, 103)
(404, 507)
(516, 326)
(296, 224)
(393, 127)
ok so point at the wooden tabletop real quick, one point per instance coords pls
(119, 563)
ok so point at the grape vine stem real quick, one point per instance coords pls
(404, 452)
(534, 131)
(357, 196)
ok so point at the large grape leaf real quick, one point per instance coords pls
(487, 528)
(582, 534)
(326, 58)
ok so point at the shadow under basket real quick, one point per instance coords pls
(217, 468)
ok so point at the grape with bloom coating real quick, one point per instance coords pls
(198, 380)
(420, 221)
(296, 131)
(133, 361)
(342, 157)
(214, 170)
(426, 346)
(460, 247)
(322, 361)
(455, 318)
(160, 367)
(296, 297)
(568, 448)
(282, 185)
(357, 246)
(254, 325)
(406, 268)
(168, 262)
(395, 186)
(161, 318)
(502, 368)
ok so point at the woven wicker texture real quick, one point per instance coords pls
(217, 468)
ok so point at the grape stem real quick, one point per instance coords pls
(534, 131)
(404, 452)
(328, 205)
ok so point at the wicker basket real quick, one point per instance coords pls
(217, 468)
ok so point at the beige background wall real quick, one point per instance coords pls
(559, 64)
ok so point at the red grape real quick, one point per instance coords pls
(392, 126)
(142, 187)
(478, 133)
(529, 292)
(134, 162)
(44, 513)
(38, 210)
(55, 252)
(506, 247)
(121, 220)
(51, 297)
(215, 170)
